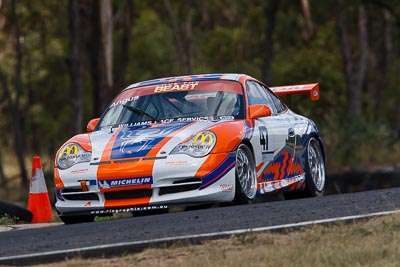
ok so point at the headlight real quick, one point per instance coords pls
(198, 146)
(72, 154)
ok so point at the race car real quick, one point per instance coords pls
(189, 140)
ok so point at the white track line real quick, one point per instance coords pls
(199, 236)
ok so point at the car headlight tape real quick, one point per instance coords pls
(199, 145)
(72, 154)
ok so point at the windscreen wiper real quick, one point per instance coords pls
(139, 111)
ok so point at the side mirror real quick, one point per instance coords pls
(259, 111)
(92, 125)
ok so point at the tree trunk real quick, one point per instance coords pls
(270, 12)
(101, 55)
(380, 59)
(106, 28)
(354, 71)
(188, 44)
(127, 22)
(2, 16)
(3, 179)
(182, 35)
(18, 142)
(308, 31)
(75, 66)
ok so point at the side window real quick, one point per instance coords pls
(280, 107)
(258, 95)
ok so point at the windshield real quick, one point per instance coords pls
(185, 101)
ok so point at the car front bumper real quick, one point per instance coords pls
(177, 180)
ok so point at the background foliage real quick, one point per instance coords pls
(175, 37)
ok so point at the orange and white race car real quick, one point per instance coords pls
(189, 140)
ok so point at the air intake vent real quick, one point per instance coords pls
(178, 189)
(129, 194)
(84, 197)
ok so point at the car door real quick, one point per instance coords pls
(272, 135)
(297, 126)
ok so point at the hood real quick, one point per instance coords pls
(154, 140)
(141, 141)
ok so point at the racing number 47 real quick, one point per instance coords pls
(263, 138)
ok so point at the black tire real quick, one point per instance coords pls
(246, 176)
(77, 219)
(315, 169)
(14, 211)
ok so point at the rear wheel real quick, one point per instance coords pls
(246, 176)
(77, 219)
(315, 169)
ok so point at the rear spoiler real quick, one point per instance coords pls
(312, 89)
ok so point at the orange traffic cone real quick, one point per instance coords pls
(39, 202)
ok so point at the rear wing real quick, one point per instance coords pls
(312, 89)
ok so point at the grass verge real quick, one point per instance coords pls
(373, 242)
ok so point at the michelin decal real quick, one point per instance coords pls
(106, 184)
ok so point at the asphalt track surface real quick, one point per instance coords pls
(134, 234)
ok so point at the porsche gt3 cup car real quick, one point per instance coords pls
(189, 140)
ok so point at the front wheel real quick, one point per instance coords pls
(246, 176)
(315, 169)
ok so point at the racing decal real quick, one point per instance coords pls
(125, 175)
(218, 165)
(266, 144)
(203, 118)
(285, 172)
(177, 85)
(169, 87)
(203, 137)
(154, 151)
(284, 166)
(207, 77)
(223, 168)
(226, 187)
(137, 123)
(176, 163)
(80, 171)
(224, 131)
(109, 146)
(270, 186)
(130, 209)
(249, 129)
(137, 141)
(83, 140)
(123, 170)
(137, 174)
(106, 184)
(124, 101)
(259, 167)
(263, 138)
(228, 118)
